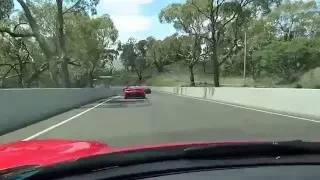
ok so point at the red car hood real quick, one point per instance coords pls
(51, 151)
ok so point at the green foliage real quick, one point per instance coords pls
(89, 42)
(287, 58)
(134, 56)
(6, 7)
(66, 37)
(61, 40)
(83, 5)
(295, 19)
(282, 36)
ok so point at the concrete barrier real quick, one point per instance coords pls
(304, 102)
(23, 107)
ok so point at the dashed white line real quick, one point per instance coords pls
(248, 108)
(67, 120)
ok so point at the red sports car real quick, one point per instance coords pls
(71, 159)
(134, 92)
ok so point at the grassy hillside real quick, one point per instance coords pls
(177, 75)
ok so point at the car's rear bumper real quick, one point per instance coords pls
(135, 95)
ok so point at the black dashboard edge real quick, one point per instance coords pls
(181, 166)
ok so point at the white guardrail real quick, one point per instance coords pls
(23, 107)
(291, 101)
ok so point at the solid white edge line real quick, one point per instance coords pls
(67, 120)
(243, 107)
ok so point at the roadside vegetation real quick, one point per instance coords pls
(61, 44)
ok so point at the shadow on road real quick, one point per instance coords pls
(120, 103)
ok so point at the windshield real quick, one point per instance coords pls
(201, 71)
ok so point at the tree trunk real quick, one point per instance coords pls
(53, 67)
(253, 70)
(21, 75)
(54, 71)
(65, 74)
(139, 73)
(216, 68)
(91, 78)
(64, 65)
(214, 57)
(36, 74)
(192, 83)
(140, 76)
(159, 67)
(204, 66)
(20, 81)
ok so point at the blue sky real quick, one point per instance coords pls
(137, 18)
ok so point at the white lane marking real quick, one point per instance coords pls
(67, 120)
(248, 108)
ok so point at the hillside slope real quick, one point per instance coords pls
(177, 75)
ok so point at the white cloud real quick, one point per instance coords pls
(126, 15)
(123, 6)
(132, 23)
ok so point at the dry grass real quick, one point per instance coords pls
(177, 75)
(310, 79)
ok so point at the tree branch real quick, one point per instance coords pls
(36, 30)
(6, 64)
(12, 67)
(229, 20)
(225, 23)
(216, 11)
(26, 49)
(16, 26)
(16, 75)
(232, 51)
(6, 74)
(199, 10)
(74, 63)
(43, 68)
(13, 34)
(78, 2)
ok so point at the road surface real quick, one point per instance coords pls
(166, 118)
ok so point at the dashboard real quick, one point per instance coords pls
(256, 173)
(275, 172)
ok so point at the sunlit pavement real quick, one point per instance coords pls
(168, 118)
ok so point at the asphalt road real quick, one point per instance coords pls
(166, 118)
